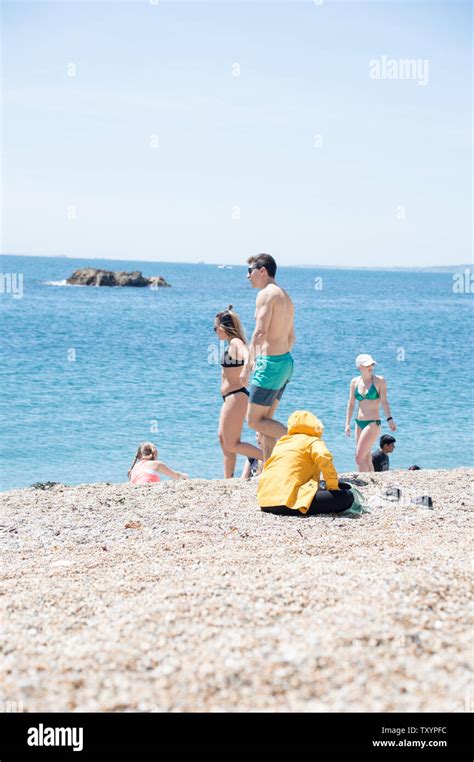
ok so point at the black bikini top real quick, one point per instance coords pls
(228, 362)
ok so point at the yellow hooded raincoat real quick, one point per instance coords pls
(291, 476)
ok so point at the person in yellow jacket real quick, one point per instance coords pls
(289, 483)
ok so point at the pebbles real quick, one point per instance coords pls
(203, 603)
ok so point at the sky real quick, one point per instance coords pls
(187, 131)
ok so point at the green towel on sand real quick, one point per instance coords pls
(358, 507)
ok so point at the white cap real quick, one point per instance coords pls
(365, 360)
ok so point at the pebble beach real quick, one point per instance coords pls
(184, 597)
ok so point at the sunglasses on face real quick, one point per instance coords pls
(251, 269)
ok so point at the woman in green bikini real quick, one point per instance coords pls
(370, 390)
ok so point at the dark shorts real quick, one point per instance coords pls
(271, 375)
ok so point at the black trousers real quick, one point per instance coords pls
(324, 501)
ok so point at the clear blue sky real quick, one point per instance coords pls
(390, 148)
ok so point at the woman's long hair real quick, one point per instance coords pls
(146, 451)
(230, 322)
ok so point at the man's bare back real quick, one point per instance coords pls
(279, 337)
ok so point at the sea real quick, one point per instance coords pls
(89, 373)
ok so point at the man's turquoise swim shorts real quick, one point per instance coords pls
(271, 375)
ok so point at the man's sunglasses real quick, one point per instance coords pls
(255, 267)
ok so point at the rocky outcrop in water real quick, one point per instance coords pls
(91, 276)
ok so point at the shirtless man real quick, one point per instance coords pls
(269, 351)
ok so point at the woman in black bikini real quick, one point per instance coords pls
(228, 327)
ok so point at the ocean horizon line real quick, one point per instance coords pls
(372, 268)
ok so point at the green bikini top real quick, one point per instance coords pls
(371, 395)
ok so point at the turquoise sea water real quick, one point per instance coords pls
(88, 373)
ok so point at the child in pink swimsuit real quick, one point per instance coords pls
(146, 467)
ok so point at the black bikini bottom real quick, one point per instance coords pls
(236, 391)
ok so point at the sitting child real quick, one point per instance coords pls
(146, 469)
